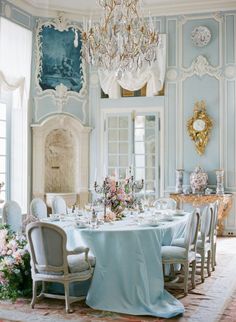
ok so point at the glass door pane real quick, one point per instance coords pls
(118, 142)
(145, 151)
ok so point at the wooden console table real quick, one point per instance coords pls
(225, 204)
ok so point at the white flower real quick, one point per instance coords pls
(16, 271)
(9, 261)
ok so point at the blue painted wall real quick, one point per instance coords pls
(180, 96)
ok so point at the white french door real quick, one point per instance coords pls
(132, 139)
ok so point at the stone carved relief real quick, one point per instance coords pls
(230, 72)
(172, 75)
(201, 36)
(200, 66)
(59, 161)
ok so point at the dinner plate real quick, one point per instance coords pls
(150, 225)
(167, 219)
(81, 226)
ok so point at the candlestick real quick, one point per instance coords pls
(220, 181)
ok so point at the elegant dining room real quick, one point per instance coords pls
(117, 179)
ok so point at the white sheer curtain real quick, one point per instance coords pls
(15, 71)
(153, 75)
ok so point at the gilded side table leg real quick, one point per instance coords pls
(179, 203)
(224, 209)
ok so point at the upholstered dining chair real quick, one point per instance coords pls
(38, 208)
(59, 205)
(165, 203)
(185, 255)
(12, 216)
(204, 239)
(51, 261)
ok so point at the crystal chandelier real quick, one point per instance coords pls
(122, 40)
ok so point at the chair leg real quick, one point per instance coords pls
(208, 262)
(215, 254)
(41, 295)
(34, 295)
(202, 266)
(163, 268)
(43, 287)
(172, 271)
(193, 274)
(67, 298)
(212, 258)
(186, 273)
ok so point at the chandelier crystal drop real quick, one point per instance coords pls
(122, 40)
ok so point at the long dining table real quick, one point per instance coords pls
(128, 276)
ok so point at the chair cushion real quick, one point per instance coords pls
(172, 252)
(78, 264)
(178, 242)
(176, 253)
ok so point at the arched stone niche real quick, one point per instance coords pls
(59, 161)
(61, 158)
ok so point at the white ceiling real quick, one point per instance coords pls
(155, 7)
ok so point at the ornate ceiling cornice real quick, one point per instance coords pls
(162, 8)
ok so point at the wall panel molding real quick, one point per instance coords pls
(217, 16)
(172, 28)
(230, 135)
(230, 221)
(171, 139)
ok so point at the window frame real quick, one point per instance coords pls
(6, 99)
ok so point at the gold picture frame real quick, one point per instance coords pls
(199, 127)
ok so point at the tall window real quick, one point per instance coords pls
(15, 69)
(132, 140)
(3, 148)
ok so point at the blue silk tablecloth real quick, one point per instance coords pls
(128, 277)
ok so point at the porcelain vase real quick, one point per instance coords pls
(198, 180)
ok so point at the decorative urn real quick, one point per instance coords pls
(198, 180)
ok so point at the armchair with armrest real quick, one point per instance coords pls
(51, 261)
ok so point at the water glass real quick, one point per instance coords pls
(94, 222)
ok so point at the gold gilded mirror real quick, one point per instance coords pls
(199, 127)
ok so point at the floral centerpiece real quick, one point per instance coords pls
(118, 195)
(15, 275)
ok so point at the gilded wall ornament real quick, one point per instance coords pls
(199, 127)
